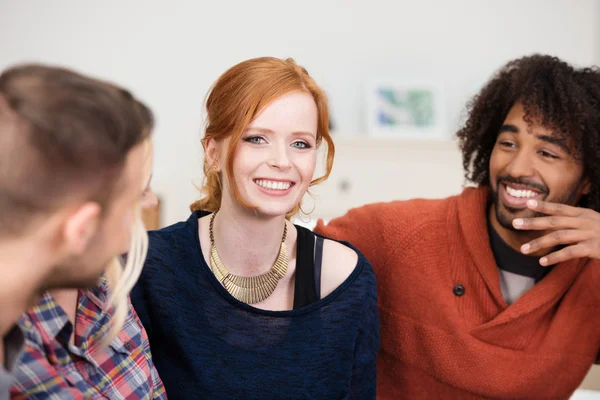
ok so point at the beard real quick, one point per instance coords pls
(505, 214)
(75, 274)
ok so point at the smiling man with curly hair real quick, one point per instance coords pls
(494, 293)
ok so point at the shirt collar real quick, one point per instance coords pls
(13, 345)
(99, 294)
(511, 260)
(51, 318)
(54, 321)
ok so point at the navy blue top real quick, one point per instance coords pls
(207, 344)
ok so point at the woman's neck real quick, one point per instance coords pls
(248, 244)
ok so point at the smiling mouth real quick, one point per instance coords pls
(515, 196)
(521, 193)
(274, 185)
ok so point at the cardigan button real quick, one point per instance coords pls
(459, 290)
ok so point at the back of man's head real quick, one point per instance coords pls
(64, 137)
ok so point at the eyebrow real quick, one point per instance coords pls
(557, 141)
(560, 142)
(262, 130)
(508, 128)
(270, 131)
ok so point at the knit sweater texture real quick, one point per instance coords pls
(438, 344)
(208, 345)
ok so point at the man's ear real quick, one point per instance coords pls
(587, 186)
(80, 227)
(212, 154)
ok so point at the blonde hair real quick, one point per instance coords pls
(237, 97)
(121, 277)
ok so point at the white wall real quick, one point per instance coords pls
(169, 53)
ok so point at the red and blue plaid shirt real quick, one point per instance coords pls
(54, 368)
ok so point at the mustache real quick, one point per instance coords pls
(523, 181)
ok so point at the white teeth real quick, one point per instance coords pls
(273, 185)
(520, 193)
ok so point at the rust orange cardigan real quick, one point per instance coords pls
(438, 345)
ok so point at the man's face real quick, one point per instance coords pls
(532, 162)
(114, 231)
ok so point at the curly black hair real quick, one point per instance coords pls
(553, 93)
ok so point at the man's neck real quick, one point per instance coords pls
(24, 269)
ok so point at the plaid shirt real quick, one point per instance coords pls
(53, 368)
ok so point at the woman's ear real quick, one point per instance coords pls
(212, 154)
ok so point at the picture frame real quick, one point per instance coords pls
(406, 108)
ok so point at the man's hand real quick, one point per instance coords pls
(575, 227)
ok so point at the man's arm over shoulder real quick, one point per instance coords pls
(372, 229)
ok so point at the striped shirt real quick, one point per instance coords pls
(52, 367)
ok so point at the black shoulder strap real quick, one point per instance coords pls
(318, 262)
(305, 291)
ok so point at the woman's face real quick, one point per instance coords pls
(275, 160)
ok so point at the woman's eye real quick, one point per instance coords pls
(254, 139)
(301, 145)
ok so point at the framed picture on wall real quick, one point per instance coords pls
(406, 109)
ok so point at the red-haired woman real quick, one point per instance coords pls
(238, 302)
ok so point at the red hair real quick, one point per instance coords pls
(237, 97)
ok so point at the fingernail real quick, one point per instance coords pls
(525, 248)
(543, 261)
(518, 222)
(532, 203)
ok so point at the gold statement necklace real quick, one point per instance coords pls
(248, 289)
